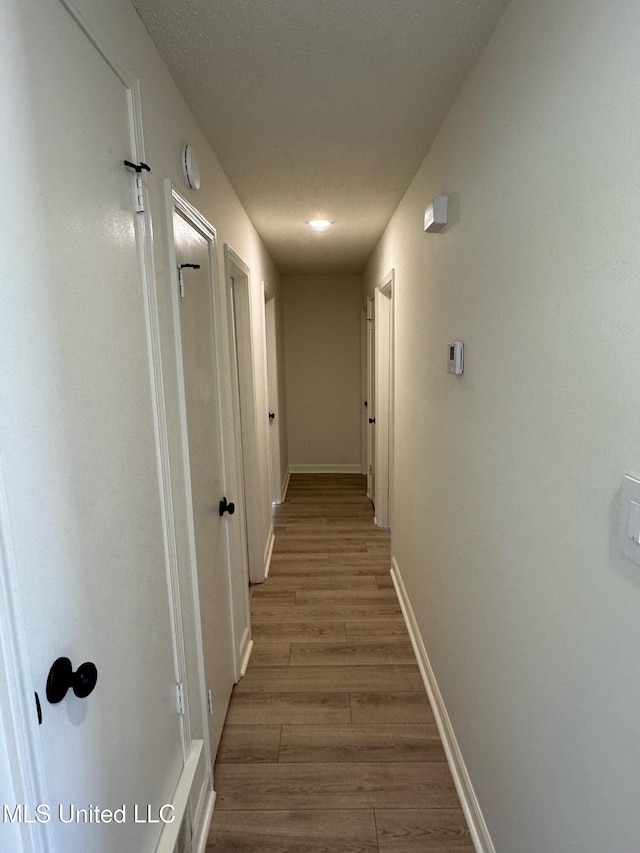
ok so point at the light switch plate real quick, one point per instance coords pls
(629, 529)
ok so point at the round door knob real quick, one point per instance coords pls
(61, 677)
(226, 506)
(372, 420)
(85, 679)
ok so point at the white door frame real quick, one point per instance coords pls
(384, 389)
(244, 397)
(17, 701)
(236, 545)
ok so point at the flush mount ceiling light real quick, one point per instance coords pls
(320, 224)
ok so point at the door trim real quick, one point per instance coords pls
(176, 202)
(238, 578)
(244, 386)
(16, 691)
(384, 390)
(180, 799)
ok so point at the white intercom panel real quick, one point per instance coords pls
(456, 358)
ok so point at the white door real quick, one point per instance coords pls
(204, 427)
(83, 515)
(257, 518)
(371, 398)
(272, 391)
(383, 394)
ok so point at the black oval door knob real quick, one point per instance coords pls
(226, 506)
(61, 677)
(85, 679)
(372, 420)
(59, 680)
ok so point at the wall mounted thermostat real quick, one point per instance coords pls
(456, 358)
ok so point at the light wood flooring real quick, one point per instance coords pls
(330, 744)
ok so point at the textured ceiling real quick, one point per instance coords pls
(320, 107)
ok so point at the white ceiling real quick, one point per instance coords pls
(320, 107)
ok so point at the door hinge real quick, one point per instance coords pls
(139, 194)
(180, 698)
(138, 169)
(210, 701)
(181, 276)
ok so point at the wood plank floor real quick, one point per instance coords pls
(330, 744)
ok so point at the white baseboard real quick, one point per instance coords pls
(470, 805)
(246, 658)
(202, 836)
(325, 469)
(268, 551)
(286, 485)
(244, 653)
(180, 801)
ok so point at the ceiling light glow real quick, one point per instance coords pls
(320, 224)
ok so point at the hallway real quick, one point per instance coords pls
(329, 743)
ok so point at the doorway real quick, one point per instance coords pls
(257, 517)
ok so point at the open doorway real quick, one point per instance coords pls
(380, 361)
(245, 412)
(198, 357)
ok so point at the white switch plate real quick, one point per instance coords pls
(629, 530)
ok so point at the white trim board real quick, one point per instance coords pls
(180, 800)
(246, 658)
(200, 841)
(271, 539)
(325, 469)
(286, 485)
(470, 805)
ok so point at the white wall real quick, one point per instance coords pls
(507, 480)
(322, 366)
